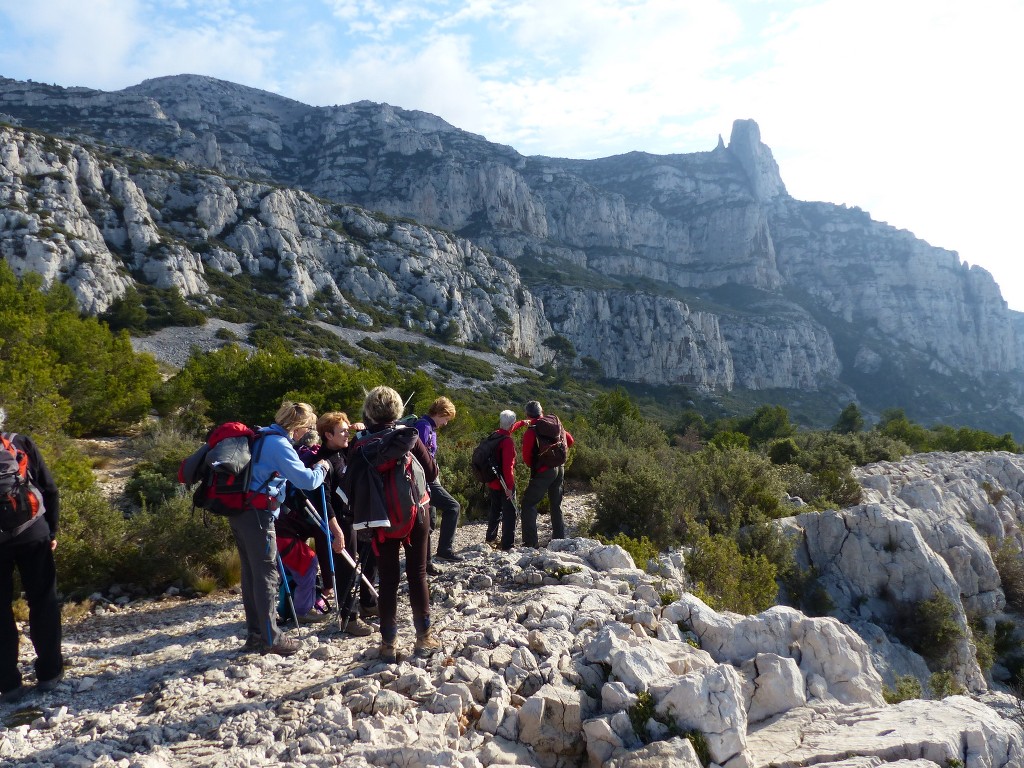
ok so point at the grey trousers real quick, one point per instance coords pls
(256, 540)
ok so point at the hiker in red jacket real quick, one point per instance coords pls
(546, 447)
(503, 508)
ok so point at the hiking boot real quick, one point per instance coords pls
(286, 646)
(426, 643)
(315, 616)
(358, 628)
(49, 685)
(388, 652)
(448, 555)
(253, 644)
(433, 570)
(368, 610)
(13, 695)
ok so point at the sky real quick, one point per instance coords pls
(908, 109)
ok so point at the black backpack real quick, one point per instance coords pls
(395, 482)
(484, 460)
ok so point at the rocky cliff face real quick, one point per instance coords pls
(672, 247)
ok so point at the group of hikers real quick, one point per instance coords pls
(365, 492)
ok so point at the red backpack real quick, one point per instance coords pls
(223, 468)
(395, 480)
(21, 503)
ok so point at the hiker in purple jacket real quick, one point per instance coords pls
(441, 411)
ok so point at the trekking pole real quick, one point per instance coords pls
(330, 548)
(287, 589)
(511, 496)
(353, 593)
(343, 554)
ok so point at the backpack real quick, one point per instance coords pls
(21, 503)
(223, 468)
(395, 480)
(552, 450)
(484, 459)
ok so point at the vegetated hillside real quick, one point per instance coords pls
(696, 270)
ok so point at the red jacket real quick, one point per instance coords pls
(506, 454)
(530, 444)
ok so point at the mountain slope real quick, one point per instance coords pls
(697, 269)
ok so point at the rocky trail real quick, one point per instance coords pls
(565, 656)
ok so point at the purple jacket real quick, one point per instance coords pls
(428, 434)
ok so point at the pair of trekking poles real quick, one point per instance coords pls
(351, 588)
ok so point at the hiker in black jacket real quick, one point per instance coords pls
(335, 429)
(29, 547)
(382, 408)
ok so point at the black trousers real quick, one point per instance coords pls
(34, 561)
(504, 513)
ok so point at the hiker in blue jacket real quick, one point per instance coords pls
(275, 463)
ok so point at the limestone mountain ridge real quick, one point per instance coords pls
(696, 269)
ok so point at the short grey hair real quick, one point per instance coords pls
(506, 419)
(533, 410)
(383, 405)
(3, 417)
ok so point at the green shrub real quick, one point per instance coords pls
(727, 580)
(91, 550)
(173, 542)
(984, 646)
(730, 488)
(149, 487)
(907, 687)
(642, 550)
(640, 500)
(943, 684)
(1010, 564)
(930, 628)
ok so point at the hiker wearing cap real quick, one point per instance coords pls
(441, 411)
(29, 511)
(546, 447)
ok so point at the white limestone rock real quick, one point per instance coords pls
(819, 645)
(938, 731)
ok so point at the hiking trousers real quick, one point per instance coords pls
(449, 508)
(503, 513)
(390, 574)
(547, 482)
(256, 540)
(35, 564)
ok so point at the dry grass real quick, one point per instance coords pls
(20, 608)
(228, 565)
(72, 613)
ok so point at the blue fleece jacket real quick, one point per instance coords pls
(275, 462)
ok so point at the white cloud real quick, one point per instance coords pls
(905, 109)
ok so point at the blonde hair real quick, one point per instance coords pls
(442, 407)
(383, 405)
(329, 421)
(292, 416)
